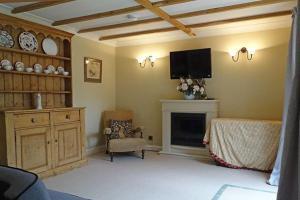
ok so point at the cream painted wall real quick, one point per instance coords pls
(247, 89)
(96, 97)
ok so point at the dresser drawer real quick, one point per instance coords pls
(66, 116)
(31, 120)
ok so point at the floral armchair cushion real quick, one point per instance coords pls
(121, 129)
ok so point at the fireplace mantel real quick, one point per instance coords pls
(208, 107)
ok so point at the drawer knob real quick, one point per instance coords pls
(68, 116)
(56, 140)
(33, 120)
(48, 142)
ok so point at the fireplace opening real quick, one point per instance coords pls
(188, 129)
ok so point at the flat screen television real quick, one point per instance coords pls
(194, 64)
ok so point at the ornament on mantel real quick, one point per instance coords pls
(192, 88)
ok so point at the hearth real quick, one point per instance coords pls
(188, 129)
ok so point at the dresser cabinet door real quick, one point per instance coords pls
(67, 144)
(33, 149)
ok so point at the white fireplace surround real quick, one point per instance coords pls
(208, 107)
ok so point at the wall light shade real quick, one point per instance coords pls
(251, 51)
(152, 59)
(232, 53)
(236, 55)
(140, 60)
(143, 61)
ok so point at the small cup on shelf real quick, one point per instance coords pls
(65, 73)
(8, 67)
(47, 71)
(20, 69)
(29, 69)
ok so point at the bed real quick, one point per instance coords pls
(243, 143)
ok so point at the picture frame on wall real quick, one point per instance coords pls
(92, 70)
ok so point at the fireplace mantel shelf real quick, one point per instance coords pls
(187, 101)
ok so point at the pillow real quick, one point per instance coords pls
(121, 129)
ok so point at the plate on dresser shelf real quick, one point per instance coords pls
(51, 68)
(50, 47)
(5, 62)
(19, 66)
(37, 68)
(28, 42)
(6, 39)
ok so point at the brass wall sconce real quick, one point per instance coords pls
(236, 55)
(143, 61)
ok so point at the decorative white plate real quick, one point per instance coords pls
(5, 62)
(6, 39)
(19, 66)
(38, 68)
(28, 42)
(51, 68)
(50, 47)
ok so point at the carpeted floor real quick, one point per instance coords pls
(233, 192)
(158, 177)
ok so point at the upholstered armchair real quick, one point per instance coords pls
(120, 134)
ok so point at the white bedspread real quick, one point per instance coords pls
(241, 143)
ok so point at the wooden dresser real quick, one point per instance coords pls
(46, 142)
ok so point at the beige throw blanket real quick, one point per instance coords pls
(241, 143)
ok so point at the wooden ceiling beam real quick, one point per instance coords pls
(200, 25)
(183, 15)
(240, 19)
(162, 30)
(162, 14)
(228, 8)
(126, 24)
(38, 5)
(116, 12)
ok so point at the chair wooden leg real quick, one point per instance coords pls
(143, 154)
(111, 156)
(107, 146)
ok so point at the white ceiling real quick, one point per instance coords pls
(85, 7)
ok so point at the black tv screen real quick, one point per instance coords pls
(191, 64)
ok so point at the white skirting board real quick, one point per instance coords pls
(102, 148)
(153, 148)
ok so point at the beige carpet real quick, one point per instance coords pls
(158, 177)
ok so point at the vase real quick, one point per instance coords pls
(189, 97)
(38, 100)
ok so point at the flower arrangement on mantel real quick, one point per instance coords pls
(192, 88)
